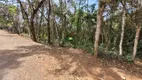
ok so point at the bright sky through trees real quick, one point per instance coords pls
(90, 1)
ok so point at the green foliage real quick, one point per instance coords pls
(9, 12)
(73, 24)
(12, 9)
(129, 57)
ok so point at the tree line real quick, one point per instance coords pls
(105, 26)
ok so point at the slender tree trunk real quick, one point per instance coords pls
(122, 32)
(16, 25)
(57, 35)
(55, 28)
(49, 13)
(136, 42)
(17, 22)
(107, 42)
(53, 31)
(62, 21)
(98, 28)
(32, 30)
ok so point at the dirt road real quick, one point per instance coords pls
(23, 59)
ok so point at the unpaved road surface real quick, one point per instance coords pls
(23, 59)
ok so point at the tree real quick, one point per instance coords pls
(136, 18)
(138, 29)
(99, 25)
(123, 27)
(49, 15)
(137, 21)
(71, 23)
(31, 20)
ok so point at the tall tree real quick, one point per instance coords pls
(122, 27)
(138, 23)
(32, 17)
(99, 25)
(138, 29)
(49, 15)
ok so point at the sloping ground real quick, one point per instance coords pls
(23, 59)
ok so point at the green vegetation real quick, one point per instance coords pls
(113, 28)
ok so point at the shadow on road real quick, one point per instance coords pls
(75, 62)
